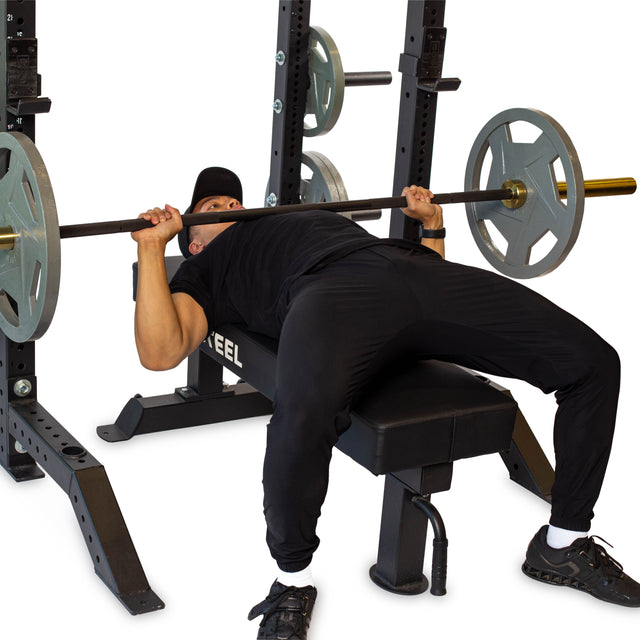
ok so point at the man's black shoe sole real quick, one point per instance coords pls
(563, 581)
(553, 578)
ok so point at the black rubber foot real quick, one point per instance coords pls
(407, 589)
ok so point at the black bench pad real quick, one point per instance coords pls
(428, 413)
(425, 413)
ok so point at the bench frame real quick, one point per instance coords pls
(407, 507)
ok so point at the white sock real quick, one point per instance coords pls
(559, 538)
(302, 578)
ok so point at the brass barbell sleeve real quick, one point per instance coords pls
(598, 188)
(592, 189)
(7, 238)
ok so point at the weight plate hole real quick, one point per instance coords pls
(5, 160)
(486, 168)
(30, 198)
(9, 308)
(497, 239)
(542, 248)
(35, 285)
(558, 174)
(524, 132)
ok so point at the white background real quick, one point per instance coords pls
(148, 92)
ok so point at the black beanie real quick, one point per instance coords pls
(214, 181)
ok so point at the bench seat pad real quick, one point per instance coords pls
(423, 413)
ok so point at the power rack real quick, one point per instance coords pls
(31, 439)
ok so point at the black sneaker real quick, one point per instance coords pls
(583, 565)
(286, 611)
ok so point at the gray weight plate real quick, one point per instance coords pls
(325, 184)
(30, 272)
(544, 216)
(326, 84)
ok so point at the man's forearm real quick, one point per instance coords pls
(158, 334)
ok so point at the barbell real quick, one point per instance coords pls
(522, 199)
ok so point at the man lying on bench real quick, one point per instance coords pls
(344, 305)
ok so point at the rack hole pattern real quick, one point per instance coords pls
(67, 450)
(297, 112)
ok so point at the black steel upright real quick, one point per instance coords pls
(31, 439)
(18, 66)
(290, 96)
(20, 99)
(421, 68)
(205, 399)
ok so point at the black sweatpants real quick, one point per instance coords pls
(350, 319)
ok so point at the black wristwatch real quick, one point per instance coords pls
(433, 233)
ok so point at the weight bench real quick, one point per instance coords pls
(410, 425)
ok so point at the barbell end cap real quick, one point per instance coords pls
(519, 190)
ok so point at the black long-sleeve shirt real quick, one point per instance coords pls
(244, 274)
